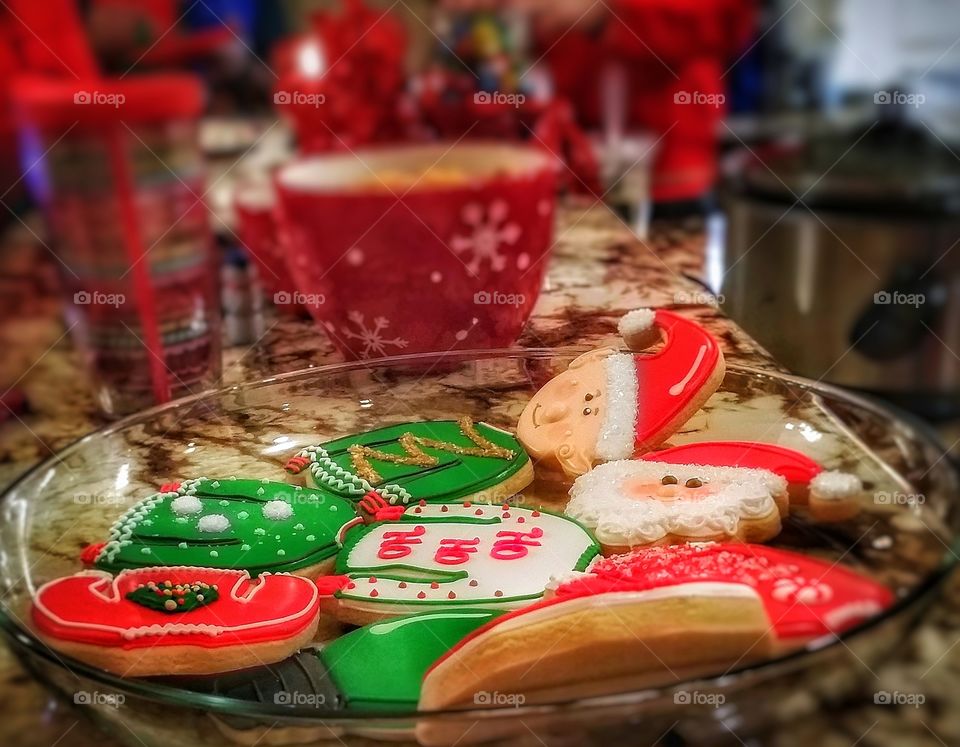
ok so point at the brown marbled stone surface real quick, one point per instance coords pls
(599, 271)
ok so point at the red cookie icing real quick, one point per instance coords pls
(792, 465)
(92, 608)
(668, 380)
(804, 597)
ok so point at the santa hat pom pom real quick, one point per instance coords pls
(835, 485)
(638, 328)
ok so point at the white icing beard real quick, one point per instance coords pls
(600, 501)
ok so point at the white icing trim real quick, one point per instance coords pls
(107, 588)
(711, 589)
(636, 322)
(835, 485)
(861, 609)
(617, 439)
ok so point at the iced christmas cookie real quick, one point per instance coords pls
(609, 405)
(253, 525)
(657, 614)
(176, 620)
(441, 460)
(377, 668)
(804, 597)
(632, 503)
(453, 555)
(830, 495)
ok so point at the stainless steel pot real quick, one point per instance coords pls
(858, 282)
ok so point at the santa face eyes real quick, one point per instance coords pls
(693, 482)
(591, 397)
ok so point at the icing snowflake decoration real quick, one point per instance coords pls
(372, 338)
(801, 590)
(490, 231)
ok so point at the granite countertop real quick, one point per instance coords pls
(598, 272)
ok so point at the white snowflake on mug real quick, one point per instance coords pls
(490, 231)
(374, 343)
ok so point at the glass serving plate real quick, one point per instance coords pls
(905, 537)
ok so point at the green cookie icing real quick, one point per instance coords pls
(380, 667)
(438, 469)
(169, 598)
(256, 529)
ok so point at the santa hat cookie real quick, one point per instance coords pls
(611, 405)
(829, 495)
(632, 503)
(642, 618)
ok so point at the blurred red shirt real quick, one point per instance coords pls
(676, 54)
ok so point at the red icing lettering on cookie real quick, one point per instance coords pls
(92, 608)
(397, 545)
(514, 545)
(788, 463)
(456, 551)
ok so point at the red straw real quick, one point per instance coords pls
(140, 267)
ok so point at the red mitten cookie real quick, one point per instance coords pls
(180, 620)
(609, 405)
(830, 495)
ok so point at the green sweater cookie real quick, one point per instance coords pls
(437, 461)
(253, 525)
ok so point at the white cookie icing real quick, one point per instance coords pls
(636, 322)
(618, 430)
(213, 523)
(600, 501)
(506, 557)
(277, 510)
(186, 505)
(834, 486)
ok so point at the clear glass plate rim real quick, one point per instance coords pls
(23, 638)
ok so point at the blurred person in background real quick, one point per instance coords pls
(672, 57)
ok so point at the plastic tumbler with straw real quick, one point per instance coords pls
(117, 169)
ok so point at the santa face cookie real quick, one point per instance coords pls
(253, 525)
(630, 504)
(610, 405)
(176, 620)
(651, 617)
(436, 461)
(829, 495)
(454, 556)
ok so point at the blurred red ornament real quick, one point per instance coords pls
(342, 84)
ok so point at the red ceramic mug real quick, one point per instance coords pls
(419, 248)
